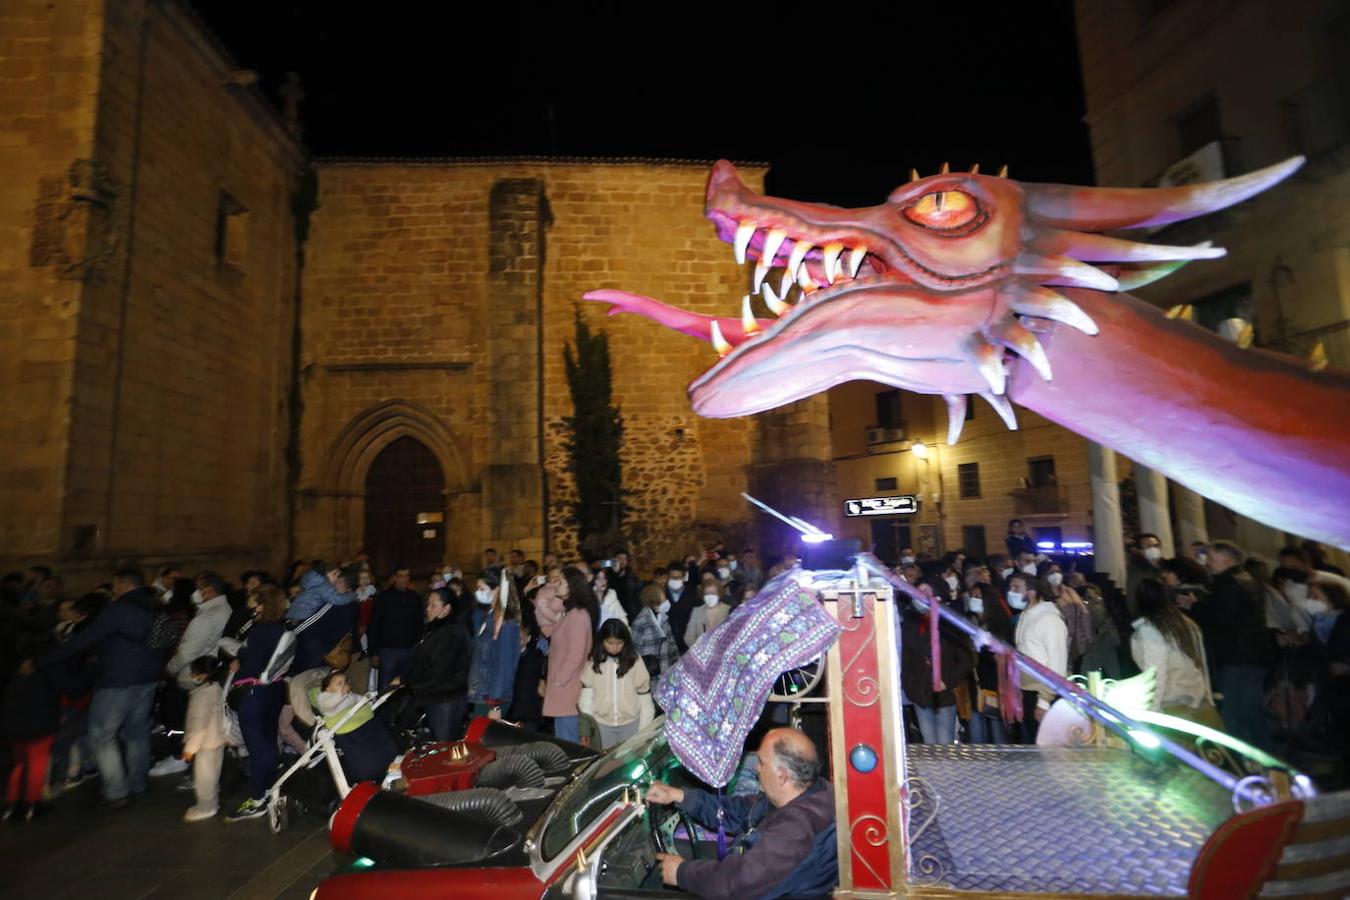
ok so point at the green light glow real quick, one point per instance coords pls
(363, 862)
(1145, 739)
(638, 771)
(1195, 729)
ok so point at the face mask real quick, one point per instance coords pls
(1017, 600)
(483, 597)
(1004, 573)
(447, 575)
(1055, 578)
(724, 574)
(1152, 554)
(663, 608)
(711, 599)
(675, 584)
(1295, 593)
(1029, 568)
(197, 596)
(906, 560)
(1315, 607)
(975, 605)
(734, 565)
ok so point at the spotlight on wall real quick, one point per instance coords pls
(919, 449)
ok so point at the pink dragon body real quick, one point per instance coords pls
(962, 283)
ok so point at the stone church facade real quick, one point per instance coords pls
(220, 353)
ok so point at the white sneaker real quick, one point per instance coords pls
(198, 813)
(169, 765)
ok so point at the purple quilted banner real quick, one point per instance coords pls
(714, 695)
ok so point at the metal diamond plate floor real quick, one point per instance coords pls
(1057, 820)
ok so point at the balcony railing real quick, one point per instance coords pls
(1046, 500)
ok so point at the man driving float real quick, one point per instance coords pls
(785, 835)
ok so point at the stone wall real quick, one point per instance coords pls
(443, 293)
(175, 270)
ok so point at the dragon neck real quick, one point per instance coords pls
(1249, 429)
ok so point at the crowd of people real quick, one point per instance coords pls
(203, 670)
(1261, 652)
(92, 683)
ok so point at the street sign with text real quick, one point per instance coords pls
(881, 506)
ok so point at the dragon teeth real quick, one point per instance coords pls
(799, 251)
(720, 344)
(776, 306)
(855, 260)
(744, 233)
(748, 323)
(832, 252)
(772, 241)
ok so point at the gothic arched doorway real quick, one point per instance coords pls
(405, 509)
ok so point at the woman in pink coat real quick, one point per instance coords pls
(568, 652)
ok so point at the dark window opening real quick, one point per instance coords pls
(968, 474)
(888, 409)
(972, 540)
(1198, 125)
(887, 484)
(1041, 472)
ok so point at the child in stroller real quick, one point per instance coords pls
(366, 745)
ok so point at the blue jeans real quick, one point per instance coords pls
(259, 715)
(987, 728)
(938, 724)
(121, 712)
(1243, 708)
(447, 718)
(395, 662)
(567, 728)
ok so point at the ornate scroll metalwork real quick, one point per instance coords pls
(876, 834)
(861, 689)
(922, 803)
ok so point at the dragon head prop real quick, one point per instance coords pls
(941, 289)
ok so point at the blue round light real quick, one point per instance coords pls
(863, 758)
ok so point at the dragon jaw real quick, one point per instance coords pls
(939, 290)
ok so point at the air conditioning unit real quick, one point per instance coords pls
(885, 435)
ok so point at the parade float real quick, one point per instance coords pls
(960, 284)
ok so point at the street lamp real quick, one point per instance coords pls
(920, 450)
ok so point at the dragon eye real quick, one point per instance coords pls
(943, 210)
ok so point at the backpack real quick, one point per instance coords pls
(164, 632)
(284, 654)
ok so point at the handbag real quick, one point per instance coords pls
(234, 735)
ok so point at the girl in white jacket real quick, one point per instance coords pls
(204, 736)
(616, 690)
(1168, 642)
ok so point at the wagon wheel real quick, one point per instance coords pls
(278, 814)
(794, 684)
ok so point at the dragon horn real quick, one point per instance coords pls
(1087, 247)
(1137, 275)
(1064, 271)
(1102, 208)
(1011, 334)
(988, 360)
(956, 415)
(1183, 311)
(1047, 303)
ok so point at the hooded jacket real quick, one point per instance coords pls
(119, 633)
(200, 638)
(784, 851)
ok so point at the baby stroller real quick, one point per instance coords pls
(304, 785)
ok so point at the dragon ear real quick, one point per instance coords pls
(1103, 208)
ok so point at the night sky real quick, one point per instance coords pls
(841, 99)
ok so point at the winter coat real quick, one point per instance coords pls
(610, 608)
(495, 657)
(205, 728)
(257, 649)
(1042, 635)
(654, 640)
(397, 620)
(568, 652)
(119, 634)
(614, 701)
(916, 661)
(440, 668)
(316, 641)
(200, 638)
(32, 705)
(1233, 618)
(779, 852)
(703, 620)
(1180, 682)
(316, 590)
(548, 610)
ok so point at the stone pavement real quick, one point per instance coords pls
(147, 851)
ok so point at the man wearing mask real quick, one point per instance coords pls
(1000, 570)
(1040, 633)
(211, 613)
(164, 583)
(1240, 647)
(397, 620)
(681, 591)
(1145, 563)
(627, 585)
(907, 557)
